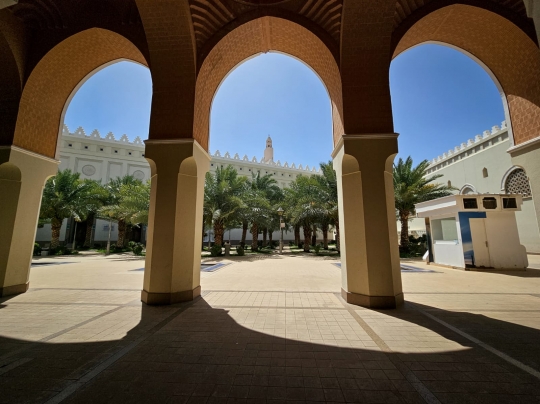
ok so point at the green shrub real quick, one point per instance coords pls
(240, 251)
(37, 249)
(137, 248)
(317, 248)
(215, 251)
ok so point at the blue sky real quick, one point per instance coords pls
(440, 98)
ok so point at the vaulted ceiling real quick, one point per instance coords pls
(211, 16)
(404, 8)
(213, 19)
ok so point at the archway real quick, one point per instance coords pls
(499, 45)
(254, 37)
(38, 125)
(174, 279)
(512, 59)
(271, 122)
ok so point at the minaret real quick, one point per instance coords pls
(268, 151)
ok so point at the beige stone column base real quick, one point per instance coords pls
(22, 177)
(14, 289)
(173, 250)
(373, 302)
(370, 267)
(170, 298)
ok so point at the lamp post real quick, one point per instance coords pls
(281, 225)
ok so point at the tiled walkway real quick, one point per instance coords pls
(273, 331)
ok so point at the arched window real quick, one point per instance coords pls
(449, 183)
(517, 183)
(467, 189)
(485, 172)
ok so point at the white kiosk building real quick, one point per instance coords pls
(474, 231)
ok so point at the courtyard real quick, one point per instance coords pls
(269, 329)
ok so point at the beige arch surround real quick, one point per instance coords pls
(510, 57)
(56, 78)
(263, 35)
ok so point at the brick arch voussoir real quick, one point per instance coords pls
(57, 76)
(508, 54)
(258, 36)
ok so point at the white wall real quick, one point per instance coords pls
(465, 166)
(505, 250)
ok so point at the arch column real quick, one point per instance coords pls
(173, 251)
(22, 178)
(371, 275)
(533, 11)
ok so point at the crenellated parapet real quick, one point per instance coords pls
(138, 144)
(478, 143)
(109, 137)
(262, 163)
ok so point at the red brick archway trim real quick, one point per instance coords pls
(263, 35)
(510, 56)
(57, 76)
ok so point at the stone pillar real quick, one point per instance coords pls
(22, 178)
(533, 11)
(370, 267)
(173, 249)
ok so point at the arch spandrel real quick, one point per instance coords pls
(54, 79)
(254, 37)
(512, 58)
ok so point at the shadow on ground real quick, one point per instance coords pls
(196, 353)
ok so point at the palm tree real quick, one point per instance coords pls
(329, 195)
(304, 205)
(65, 195)
(100, 199)
(412, 186)
(257, 210)
(136, 201)
(114, 209)
(223, 199)
(265, 191)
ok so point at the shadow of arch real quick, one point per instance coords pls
(57, 77)
(196, 350)
(252, 38)
(506, 52)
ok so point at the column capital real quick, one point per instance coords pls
(362, 138)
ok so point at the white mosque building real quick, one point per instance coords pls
(483, 165)
(103, 158)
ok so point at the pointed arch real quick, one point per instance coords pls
(55, 79)
(252, 38)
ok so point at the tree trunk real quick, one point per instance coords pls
(324, 229)
(88, 242)
(307, 237)
(297, 235)
(338, 247)
(109, 237)
(244, 232)
(254, 237)
(129, 234)
(270, 234)
(218, 233)
(265, 234)
(314, 235)
(121, 234)
(404, 219)
(56, 224)
(74, 244)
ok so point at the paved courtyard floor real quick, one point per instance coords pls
(269, 329)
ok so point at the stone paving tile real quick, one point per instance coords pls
(266, 346)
